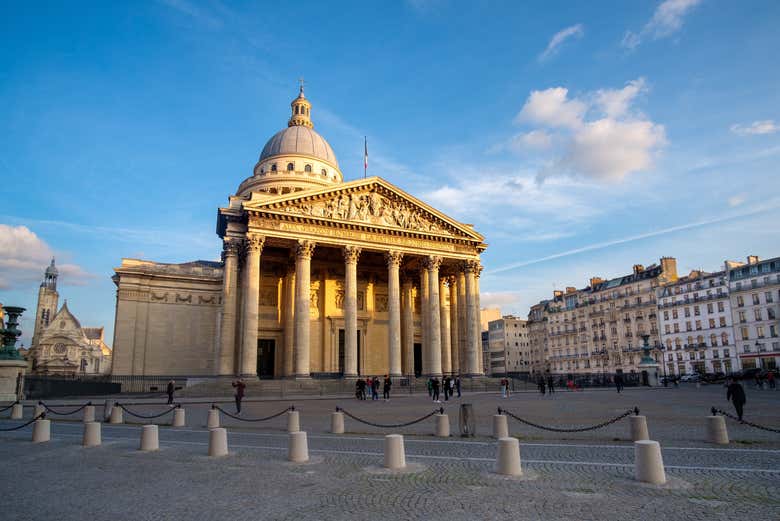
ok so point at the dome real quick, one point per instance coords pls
(299, 141)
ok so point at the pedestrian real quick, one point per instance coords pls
(360, 389)
(759, 383)
(550, 387)
(369, 385)
(503, 388)
(736, 393)
(457, 385)
(445, 383)
(375, 389)
(240, 386)
(435, 387)
(541, 385)
(770, 379)
(430, 387)
(171, 388)
(386, 388)
(619, 382)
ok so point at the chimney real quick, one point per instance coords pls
(595, 280)
(753, 259)
(669, 268)
(557, 294)
(638, 268)
(570, 289)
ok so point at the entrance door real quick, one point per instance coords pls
(417, 360)
(342, 342)
(266, 349)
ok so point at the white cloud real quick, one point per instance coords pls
(499, 299)
(621, 142)
(766, 126)
(736, 200)
(574, 31)
(552, 108)
(667, 19)
(24, 257)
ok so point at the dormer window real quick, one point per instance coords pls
(290, 167)
(307, 168)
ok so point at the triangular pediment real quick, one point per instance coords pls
(366, 202)
(64, 324)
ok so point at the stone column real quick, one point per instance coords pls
(444, 314)
(473, 349)
(303, 253)
(254, 246)
(351, 255)
(454, 324)
(434, 319)
(477, 272)
(407, 327)
(424, 319)
(227, 334)
(393, 259)
(289, 320)
(462, 329)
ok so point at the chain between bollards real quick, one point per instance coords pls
(223, 411)
(58, 413)
(440, 410)
(629, 412)
(10, 406)
(744, 422)
(41, 416)
(143, 416)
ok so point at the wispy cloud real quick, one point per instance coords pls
(667, 19)
(573, 31)
(196, 11)
(766, 126)
(771, 205)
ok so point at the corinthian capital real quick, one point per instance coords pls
(351, 254)
(432, 262)
(393, 258)
(470, 266)
(304, 249)
(254, 243)
(230, 247)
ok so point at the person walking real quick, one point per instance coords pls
(375, 388)
(445, 384)
(619, 382)
(240, 387)
(503, 388)
(435, 388)
(736, 393)
(550, 387)
(171, 388)
(457, 385)
(386, 388)
(452, 386)
(430, 387)
(770, 379)
(542, 385)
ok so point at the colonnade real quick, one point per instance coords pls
(449, 313)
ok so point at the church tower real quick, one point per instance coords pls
(47, 301)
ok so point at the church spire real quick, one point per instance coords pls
(301, 110)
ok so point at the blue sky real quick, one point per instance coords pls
(579, 137)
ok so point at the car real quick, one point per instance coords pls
(694, 377)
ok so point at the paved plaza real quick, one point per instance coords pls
(567, 476)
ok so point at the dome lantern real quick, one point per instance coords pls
(301, 110)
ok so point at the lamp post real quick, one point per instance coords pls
(12, 365)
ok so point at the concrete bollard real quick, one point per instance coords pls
(117, 415)
(442, 425)
(638, 428)
(150, 440)
(337, 422)
(179, 418)
(508, 457)
(395, 457)
(218, 445)
(41, 431)
(89, 414)
(17, 411)
(213, 420)
(298, 450)
(39, 409)
(500, 427)
(92, 437)
(293, 421)
(716, 430)
(648, 464)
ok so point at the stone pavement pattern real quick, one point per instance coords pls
(567, 478)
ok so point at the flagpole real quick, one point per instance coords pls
(365, 156)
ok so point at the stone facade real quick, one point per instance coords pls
(508, 346)
(319, 277)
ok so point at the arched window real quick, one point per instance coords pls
(307, 168)
(714, 339)
(290, 167)
(668, 343)
(297, 108)
(262, 171)
(324, 172)
(724, 339)
(273, 167)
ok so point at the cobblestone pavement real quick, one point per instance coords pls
(587, 476)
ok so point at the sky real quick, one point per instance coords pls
(580, 138)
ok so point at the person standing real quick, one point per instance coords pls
(541, 385)
(503, 388)
(430, 387)
(445, 383)
(240, 387)
(619, 382)
(457, 385)
(736, 393)
(375, 388)
(386, 388)
(171, 388)
(435, 388)
(770, 379)
(550, 387)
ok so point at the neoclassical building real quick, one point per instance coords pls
(319, 277)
